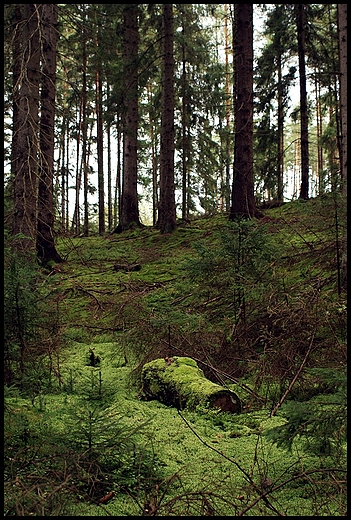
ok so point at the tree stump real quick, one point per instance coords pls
(179, 382)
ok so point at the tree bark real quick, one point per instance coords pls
(185, 151)
(25, 155)
(228, 155)
(129, 199)
(342, 30)
(153, 158)
(16, 75)
(100, 142)
(167, 209)
(46, 250)
(301, 42)
(243, 199)
(280, 164)
(85, 124)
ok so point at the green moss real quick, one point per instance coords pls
(187, 464)
(178, 381)
(127, 316)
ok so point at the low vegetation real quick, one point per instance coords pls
(260, 308)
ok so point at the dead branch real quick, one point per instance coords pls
(278, 405)
(90, 294)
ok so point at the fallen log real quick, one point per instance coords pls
(179, 382)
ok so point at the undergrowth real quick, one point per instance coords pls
(257, 304)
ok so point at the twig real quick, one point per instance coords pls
(218, 371)
(278, 405)
(90, 294)
(233, 461)
(291, 479)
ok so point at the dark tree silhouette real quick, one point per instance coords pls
(243, 199)
(25, 138)
(129, 200)
(301, 42)
(46, 250)
(167, 209)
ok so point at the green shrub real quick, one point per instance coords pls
(320, 422)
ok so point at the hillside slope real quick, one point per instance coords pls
(257, 305)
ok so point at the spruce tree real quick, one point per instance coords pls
(45, 244)
(243, 199)
(129, 199)
(167, 210)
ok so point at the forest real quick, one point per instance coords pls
(175, 259)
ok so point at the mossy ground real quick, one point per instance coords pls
(185, 465)
(200, 462)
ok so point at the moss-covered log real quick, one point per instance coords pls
(179, 382)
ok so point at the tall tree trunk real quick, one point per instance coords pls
(129, 200)
(25, 155)
(185, 209)
(280, 165)
(153, 159)
(243, 199)
(76, 214)
(167, 210)
(117, 204)
(100, 152)
(342, 31)
(109, 167)
(100, 138)
(85, 127)
(16, 79)
(228, 158)
(63, 176)
(46, 250)
(319, 127)
(67, 177)
(109, 178)
(301, 41)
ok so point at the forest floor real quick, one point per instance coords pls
(260, 308)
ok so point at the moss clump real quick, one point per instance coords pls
(179, 382)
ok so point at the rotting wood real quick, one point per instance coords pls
(179, 382)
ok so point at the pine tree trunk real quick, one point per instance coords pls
(167, 210)
(85, 126)
(117, 200)
(280, 163)
(25, 154)
(109, 178)
(243, 200)
(342, 29)
(228, 158)
(62, 175)
(76, 214)
(319, 127)
(185, 209)
(100, 151)
(153, 159)
(301, 40)
(129, 199)
(46, 250)
(16, 98)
